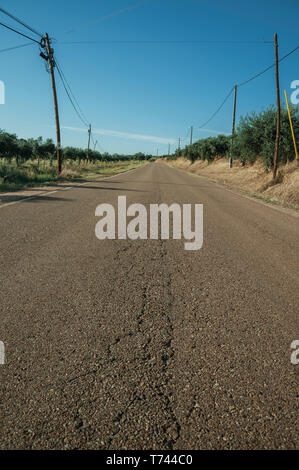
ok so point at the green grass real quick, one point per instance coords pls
(15, 177)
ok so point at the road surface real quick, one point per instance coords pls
(122, 344)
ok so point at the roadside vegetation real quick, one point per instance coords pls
(252, 180)
(254, 140)
(252, 155)
(32, 162)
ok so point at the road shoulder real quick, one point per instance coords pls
(251, 196)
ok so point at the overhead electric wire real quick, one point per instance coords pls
(188, 132)
(74, 98)
(244, 83)
(268, 68)
(289, 53)
(255, 76)
(68, 89)
(21, 22)
(120, 41)
(217, 111)
(71, 100)
(71, 96)
(185, 138)
(18, 32)
(16, 47)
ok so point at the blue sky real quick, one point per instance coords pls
(139, 96)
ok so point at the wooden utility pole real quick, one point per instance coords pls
(179, 143)
(88, 147)
(95, 144)
(191, 135)
(233, 128)
(275, 160)
(51, 61)
(168, 149)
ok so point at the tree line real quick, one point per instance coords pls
(254, 138)
(22, 150)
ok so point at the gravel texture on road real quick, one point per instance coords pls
(122, 344)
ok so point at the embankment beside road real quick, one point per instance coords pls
(252, 179)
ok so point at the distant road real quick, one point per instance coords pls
(121, 344)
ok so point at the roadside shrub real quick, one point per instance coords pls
(255, 138)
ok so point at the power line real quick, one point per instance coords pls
(21, 22)
(121, 41)
(255, 76)
(268, 68)
(186, 136)
(217, 111)
(18, 32)
(70, 90)
(231, 91)
(16, 47)
(71, 96)
(289, 53)
(244, 83)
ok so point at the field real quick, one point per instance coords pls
(15, 176)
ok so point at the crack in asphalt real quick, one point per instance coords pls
(121, 344)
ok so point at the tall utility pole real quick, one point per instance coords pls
(275, 160)
(51, 61)
(168, 149)
(95, 144)
(179, 143)
(233, 128)
(191, 135)
(88, 147)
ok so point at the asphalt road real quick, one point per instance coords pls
(121, 344)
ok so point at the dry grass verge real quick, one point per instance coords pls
(253, 180)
